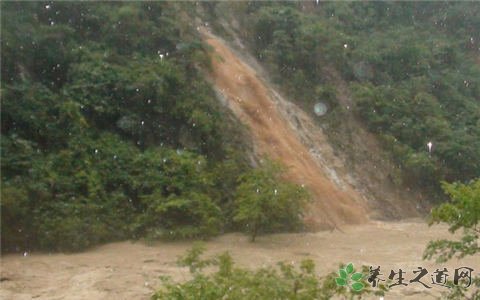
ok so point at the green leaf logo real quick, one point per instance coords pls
(348, 277)
(357, 276)
(340, 281)
(357, 286)
(349, 268)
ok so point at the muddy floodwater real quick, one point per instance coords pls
(129, 270)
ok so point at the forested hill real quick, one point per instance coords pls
(412, 68)
(109, 131)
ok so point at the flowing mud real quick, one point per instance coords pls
(128, 270)
(254, 103)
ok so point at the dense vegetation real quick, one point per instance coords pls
(265, 203)
(412, 68)
(109, 130)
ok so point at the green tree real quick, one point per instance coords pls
(266, 203)
(461, 213)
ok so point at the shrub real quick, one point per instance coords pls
(462, 212)
(268, 283)
(266, 203)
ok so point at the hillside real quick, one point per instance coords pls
(284, 131)
(407, 71)
(102, 129)
(253, 103)
(131, 130)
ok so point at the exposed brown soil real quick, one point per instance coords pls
(340, 142)
(254, 104)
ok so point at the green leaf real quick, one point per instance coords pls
(340, 281)
(357, 286)
(349, 268)
(342, 273)
(357, 276)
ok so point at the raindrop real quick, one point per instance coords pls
(47, 6)
(96, 151)
(320, 109)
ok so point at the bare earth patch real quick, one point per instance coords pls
(254, 103)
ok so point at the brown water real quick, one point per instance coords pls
(131, 270)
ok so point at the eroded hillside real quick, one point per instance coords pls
(283, 131)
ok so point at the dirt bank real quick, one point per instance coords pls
(254, 103)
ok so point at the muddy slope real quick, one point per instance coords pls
(273, 124)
